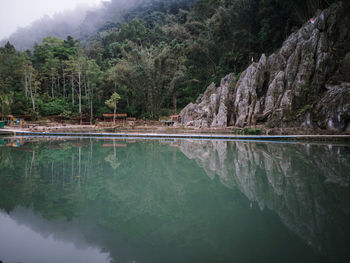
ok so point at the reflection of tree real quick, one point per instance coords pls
(112, 158)
(158, 204)
(161, 202)
(113, 161)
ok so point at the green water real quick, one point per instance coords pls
(89, 200)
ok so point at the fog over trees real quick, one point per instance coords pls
(82, 22)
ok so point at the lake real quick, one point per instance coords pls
(105, 200)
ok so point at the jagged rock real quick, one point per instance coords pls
(290, 88)
(210, 109)
(334, 108)
(249, 84)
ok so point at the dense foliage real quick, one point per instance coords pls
(158, 56)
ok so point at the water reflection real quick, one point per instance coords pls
(25, 235)
(307, 185)
(182, 201)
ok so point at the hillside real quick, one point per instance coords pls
(158, 56)
(86, 23)
(304, 84)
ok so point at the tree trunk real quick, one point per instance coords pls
(52, 95)
(79, 95)
(32, 93)
(174, 102)
(58, 84)
(85, 88)
(91, 104)
(64, 86)
(25, 84)
(72, 83)
(115, 110)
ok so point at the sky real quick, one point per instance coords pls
(21, 13)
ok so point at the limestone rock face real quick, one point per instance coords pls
(247, 89)
(210, 109)
(334, 107)
(306, 83)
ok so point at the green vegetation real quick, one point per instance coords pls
(112, 103)
(303, 110)
(158, 58)
(247, 131)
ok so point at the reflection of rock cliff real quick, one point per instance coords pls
(306, 185)
(305, 83)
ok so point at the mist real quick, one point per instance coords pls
(21, 13)
(83, 22)
(80, 23)
(59, 25)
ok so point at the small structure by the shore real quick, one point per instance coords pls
(119, 117)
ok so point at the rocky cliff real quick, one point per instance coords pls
(305, 84)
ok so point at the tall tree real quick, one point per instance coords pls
(112, 103)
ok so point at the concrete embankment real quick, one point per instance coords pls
(179, 136)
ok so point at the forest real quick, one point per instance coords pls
(157, 55)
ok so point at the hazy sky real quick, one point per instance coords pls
(20, 13)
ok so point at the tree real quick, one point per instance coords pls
(112, 103)
(94, 80)
(31, 84)
(5, 102)
(158, 56)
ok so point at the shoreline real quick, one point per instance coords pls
(154, 135)
(156, 131)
